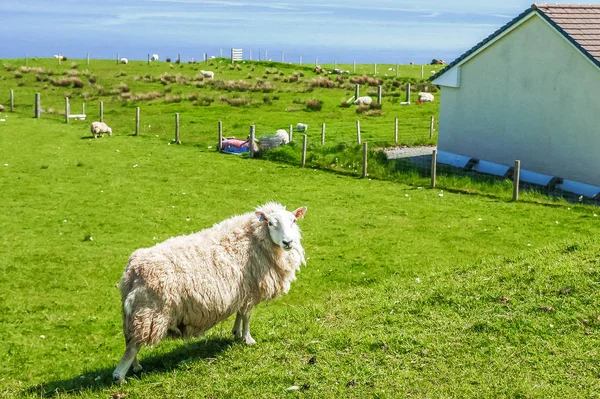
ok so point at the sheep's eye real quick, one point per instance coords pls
(270, 223)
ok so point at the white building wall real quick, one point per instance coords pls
(529, 96)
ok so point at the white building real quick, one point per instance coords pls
(530, 91)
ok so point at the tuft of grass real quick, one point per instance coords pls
(314, 104)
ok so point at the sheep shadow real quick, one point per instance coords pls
(101, 378)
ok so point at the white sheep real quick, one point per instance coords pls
(60, 57)
(100, 128)
(301, 127)
(154, 57)
(208, 74)
(426, 97)
(283, 136)
(366, 100)
(124, 60)
(184, 286)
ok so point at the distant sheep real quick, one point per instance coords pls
(208, 74)
(366, 100)
(100, 128)
(60, 57)
(301, 127)
(124, 60)
(425, 97)
(154, 57)
(1, 108)
(318, 69)
(283, 135)
(337, 71)
(182, 287)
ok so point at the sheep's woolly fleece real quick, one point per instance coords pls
(187, 284)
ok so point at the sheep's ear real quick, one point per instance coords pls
(299, 213)
(261, 216)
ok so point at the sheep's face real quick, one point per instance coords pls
(282, 226)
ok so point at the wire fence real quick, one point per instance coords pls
(398, 150)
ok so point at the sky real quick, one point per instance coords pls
(381, 31)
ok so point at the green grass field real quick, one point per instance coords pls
(408, 291)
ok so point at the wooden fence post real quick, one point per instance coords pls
(358, 131)
(101, 111)
(396, 130)
(148, 58)
(12, 100)
(516, 179)
(379, 90)
(178, 58)
(37, 109)
(408, 93)
(323, 134)
(291, 133)
(365, 153)
(431, 127)
(433, 168)
(251, 141)
(220, 142)
(304, 150)
(67, 109)
(177, 141)
(137, 121)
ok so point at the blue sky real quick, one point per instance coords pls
(368, 31)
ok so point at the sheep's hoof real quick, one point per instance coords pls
(118, 379)
(249, 340)
(137, 368)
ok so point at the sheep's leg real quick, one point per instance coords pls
(128, 358)
(237, 326)
(246, 337)
(136, 366)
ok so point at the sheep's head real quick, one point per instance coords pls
(282, 226)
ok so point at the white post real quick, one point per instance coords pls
(358, 131)
(291, 133)
(323, 134)
(282, 56)
(422, 73)
(354, 66)
(300, 60)
(396, 130)
(375, 70)
(396, 70)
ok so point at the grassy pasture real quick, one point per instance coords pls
(408, 292)
(274, 104)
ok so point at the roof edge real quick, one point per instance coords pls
(485, 41)
(533, 9)
(571, 40)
